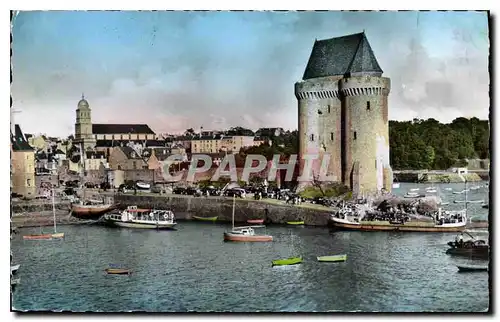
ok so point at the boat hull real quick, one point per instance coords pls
(472, 268)
(247, 238)
(95, 212)
(122, 224)
(255, 221)
(295, 223)
(44, 236)
(476, 253)
(335, 258)
(386, 226)
(288, 261)
(118, 271)
(205, 218)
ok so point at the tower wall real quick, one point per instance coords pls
(83, 126)
(366, 137)
(320, 115)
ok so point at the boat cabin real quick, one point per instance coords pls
(244, 231)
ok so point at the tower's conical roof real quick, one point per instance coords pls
(342, 56)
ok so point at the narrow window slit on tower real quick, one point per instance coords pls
(312, 137)
(331, 136)
(368, 105)
(354, 135)
(328, 108)
(375, 164)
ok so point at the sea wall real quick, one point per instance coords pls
(38, 206)
(437, 177)
(185, 207)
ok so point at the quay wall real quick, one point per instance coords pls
(185, 207)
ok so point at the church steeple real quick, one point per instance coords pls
(83, 125)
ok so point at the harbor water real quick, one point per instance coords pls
(193, 269)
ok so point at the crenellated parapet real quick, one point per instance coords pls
(317, 95)
(365, 85)
(358, 91)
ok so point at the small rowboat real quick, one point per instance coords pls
(205, 218)
(472, 268)
(44, 236)
(333, 258)
(287, 261)
(118, 271)
(14, 268)
(296, 223)
(255, 221)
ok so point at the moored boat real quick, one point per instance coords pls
(255, 221)
(90, 210)
(485, 206)
(333, 258)
(50, 236)
(44, 236)
(287, 261)
(472, 268)
(413, 195)
(118, 271)
(295, 223)
(471, 248)
(411, 226)
(205, 218)
(14, 282)
(244, 234)
(14, 268)
(132, 217)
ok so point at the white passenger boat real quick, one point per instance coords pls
(132, 217)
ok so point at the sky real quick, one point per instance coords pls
(179, 70)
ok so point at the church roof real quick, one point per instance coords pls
(342, 56)
(18, 140)
(121, 129)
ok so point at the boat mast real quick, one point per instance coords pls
(54, 210)
(234, 202)
(465, 199)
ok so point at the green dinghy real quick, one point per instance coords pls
(333, 258)
(296, 223)
(205, 218)
(288, 261)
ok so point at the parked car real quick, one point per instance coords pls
(238, 192)
(105, 185)
(69, 191)
(192, 191)
(89, 185)
(179, 191)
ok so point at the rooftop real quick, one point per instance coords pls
(121, 129)
(18, 140)
(342, 56)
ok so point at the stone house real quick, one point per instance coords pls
(22, 164)
(126, 158)
(94, 159)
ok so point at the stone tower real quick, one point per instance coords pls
(83, 125)
(343, 112)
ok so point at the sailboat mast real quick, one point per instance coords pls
(54, 210)
(465, 198)
(234, 203)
